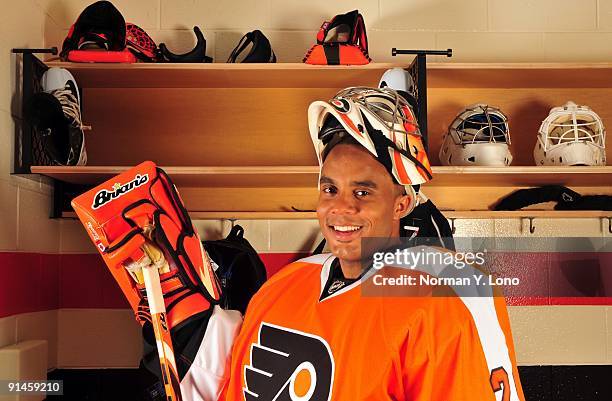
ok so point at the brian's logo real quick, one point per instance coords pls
(103, 196)
(288, 365)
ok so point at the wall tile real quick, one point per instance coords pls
(8, 216)
(542, 15)
(212, 229)
(509, 227)
(474, 227)
(232, 14)
(491, 47)
(13, 19)
(609, 333)
(577, 47)
(54, 33)
(295, 14)
(604, 15)
(381, 41)
(8, 330)
(559, 335)
(144, 13)
(7, 140)
(24, 361)
(98, 338)
(258, 233)
(74, 238)
(37, 232)
(294, 235)
(442, 15)
(40, 326)
(587, 227)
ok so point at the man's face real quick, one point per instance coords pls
(357, 199)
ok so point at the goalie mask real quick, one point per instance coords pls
(382, 122)
(401, 81)
(479, 136)
(571, 135)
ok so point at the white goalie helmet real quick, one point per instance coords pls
(571, 135)
(478, 136)
(398, 79)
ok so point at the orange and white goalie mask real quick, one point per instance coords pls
(138, 217)
(381, 121)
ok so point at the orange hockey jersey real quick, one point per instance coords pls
(353, 346)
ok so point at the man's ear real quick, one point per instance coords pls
(403, 206)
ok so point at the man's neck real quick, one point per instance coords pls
(351, 269)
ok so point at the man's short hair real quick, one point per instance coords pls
(344, 138)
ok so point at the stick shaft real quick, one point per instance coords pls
(162, 334)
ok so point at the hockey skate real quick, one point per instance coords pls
(55, 115)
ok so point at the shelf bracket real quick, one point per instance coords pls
(28, 149)
(418, 71)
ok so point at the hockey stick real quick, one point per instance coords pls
(147, 269)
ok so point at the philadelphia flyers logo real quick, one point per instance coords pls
(288, 365)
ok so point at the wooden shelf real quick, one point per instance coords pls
(241, 177)
(449, 214)
(525, 213)
(299, 75)
(222, 75)
(306, 176)
(234, 137)
(519, 75)
(521, 176)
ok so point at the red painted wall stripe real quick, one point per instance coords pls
(29, 282)
(33, 282)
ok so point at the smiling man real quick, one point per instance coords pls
(311, 333)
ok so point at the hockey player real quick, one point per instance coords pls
(311, 334)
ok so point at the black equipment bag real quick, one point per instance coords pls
(241, 272)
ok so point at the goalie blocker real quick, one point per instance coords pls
(139, 225)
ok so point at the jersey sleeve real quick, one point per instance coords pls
(457, 350)
(209, 371)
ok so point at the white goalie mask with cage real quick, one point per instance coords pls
(382, 122)
(478, 136)
(571, 135)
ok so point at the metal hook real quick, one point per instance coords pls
(232, 223)
(452, 225)
(609, 223)
(531, 226)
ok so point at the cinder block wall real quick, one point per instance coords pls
(29, 240)
(54, 286)
(477, 30)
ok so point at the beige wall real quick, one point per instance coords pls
(543, 335)
(25, 202)
(477, 30)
